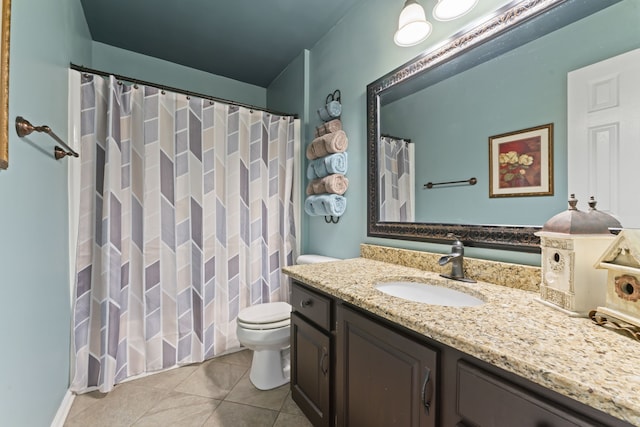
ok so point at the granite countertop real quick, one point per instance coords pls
(572, 356)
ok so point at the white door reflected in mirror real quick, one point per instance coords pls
(604, 135)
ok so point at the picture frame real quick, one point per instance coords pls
(5, 23)
(521, 163)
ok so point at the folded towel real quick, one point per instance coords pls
(335, 184)
(328, 127)
(330, 111)
(335, 163)
(325, 204)
(316, 149)
(334, 142)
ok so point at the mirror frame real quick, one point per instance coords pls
(509, 237)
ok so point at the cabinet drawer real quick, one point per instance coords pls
(311, 305)
(485, 400)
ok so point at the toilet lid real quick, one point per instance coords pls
(264, 326)
(260, 314)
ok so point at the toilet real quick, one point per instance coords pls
(265, 329)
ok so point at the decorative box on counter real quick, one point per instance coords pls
(571, 242)
(622, 263)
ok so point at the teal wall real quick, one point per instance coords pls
(353, 54)
(289, 93)
(130, 64)
(450, 122)
(35, 308)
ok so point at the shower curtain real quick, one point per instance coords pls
(396, 173)
(186, 217)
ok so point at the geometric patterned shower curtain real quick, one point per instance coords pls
(397, 187)
(186, 217)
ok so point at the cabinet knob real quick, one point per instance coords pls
(306, 303)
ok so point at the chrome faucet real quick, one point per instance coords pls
(456, 258)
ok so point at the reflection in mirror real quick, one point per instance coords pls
(396, 175)
(448, 103)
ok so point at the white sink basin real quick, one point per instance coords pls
(428, 294)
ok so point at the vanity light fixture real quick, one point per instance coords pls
(413, 26)
(447, 10)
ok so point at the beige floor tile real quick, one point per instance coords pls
(166, 380)
(230, 414)
(290, 407)
(289, 420)
(121, 407)
(179, 409)
(212, 379)
(196, 399)
(85, 401)
(247, 393)
(241, 358)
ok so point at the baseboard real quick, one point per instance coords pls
(63, 410)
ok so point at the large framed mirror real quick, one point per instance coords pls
(449, 102)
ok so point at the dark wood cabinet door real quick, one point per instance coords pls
(310, 370)
(382, 377)
(485, 400)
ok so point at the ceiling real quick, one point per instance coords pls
(251, 41)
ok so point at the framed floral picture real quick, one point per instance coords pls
(521, 163)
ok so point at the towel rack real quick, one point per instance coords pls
(332, 110)
(330, 219)
(24, 128)
(470, 181)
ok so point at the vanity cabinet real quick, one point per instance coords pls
(351, 368)
(382, 377)
(311, 354)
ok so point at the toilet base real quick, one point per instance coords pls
(270, 369)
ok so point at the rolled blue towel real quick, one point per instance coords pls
(308, 207)
(325, 204)
(335, 163)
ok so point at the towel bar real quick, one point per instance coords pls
(24, 128)
(470, 181)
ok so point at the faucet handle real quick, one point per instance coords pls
(457, 240)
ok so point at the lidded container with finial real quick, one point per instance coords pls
(571, 242)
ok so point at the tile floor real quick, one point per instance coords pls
(215, 393)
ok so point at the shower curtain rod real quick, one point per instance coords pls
(83, 69)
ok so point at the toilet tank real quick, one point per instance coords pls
(314, 259)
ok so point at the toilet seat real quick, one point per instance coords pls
(271, 315)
